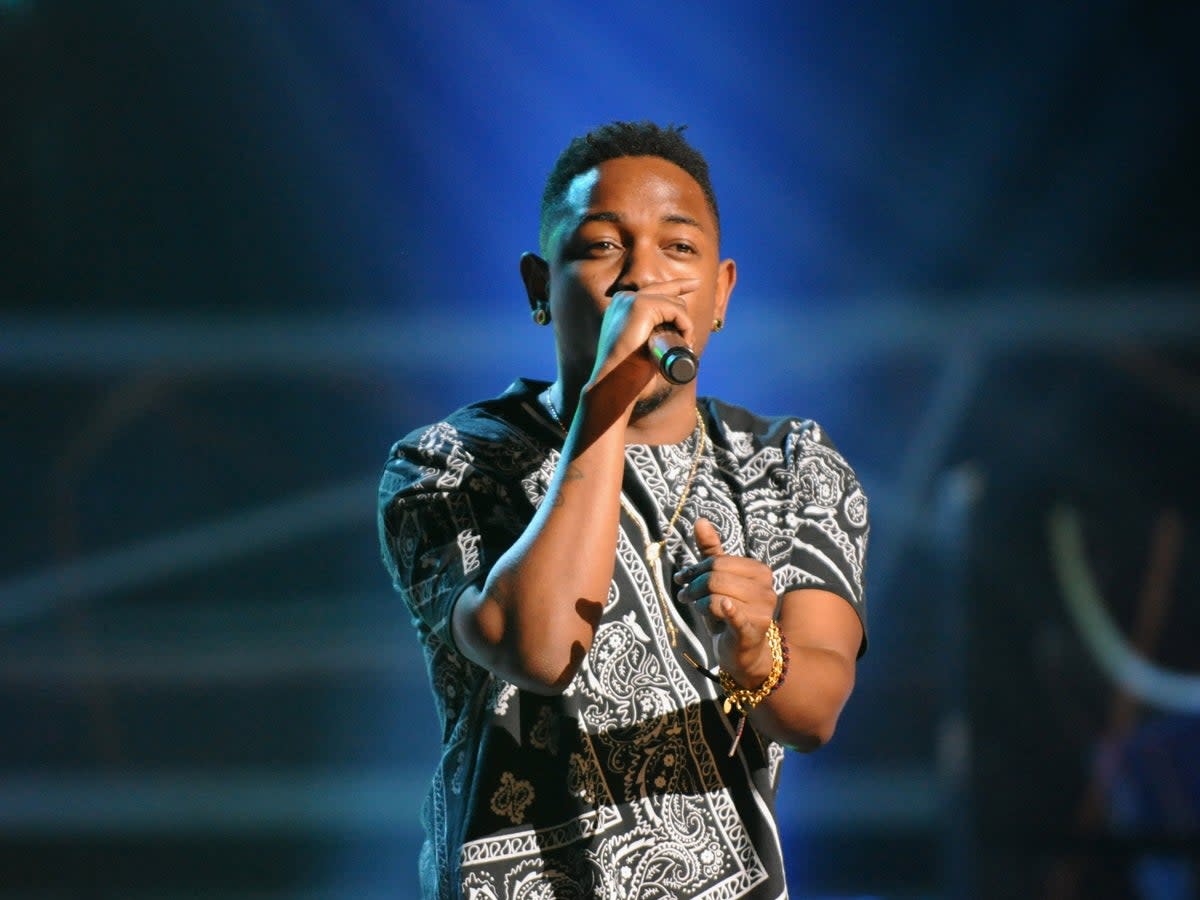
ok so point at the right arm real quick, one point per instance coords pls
(534, 618)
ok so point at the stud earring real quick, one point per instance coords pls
(541, 315)
(718, 324)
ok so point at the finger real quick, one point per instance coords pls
(734, 615)
(745, 591)
(672, 317)
(743, 566)
(750, 569)
(746, 629)
(672, 314)
(691, 573)
(708, 541)
(671, 290)
(656, 307)
(717, 610)
(674, 311)
(698, 592)
(725, 614)
(674, 287)
(695, 590)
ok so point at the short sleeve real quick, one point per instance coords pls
(830, 524)
(444, 520)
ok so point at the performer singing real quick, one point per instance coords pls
(630, 598)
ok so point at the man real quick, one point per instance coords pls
(609, 575)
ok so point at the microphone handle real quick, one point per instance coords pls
(675, 359)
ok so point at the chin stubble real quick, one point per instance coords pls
(647, 405)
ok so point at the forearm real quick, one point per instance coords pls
(537, 613)
(802, 712)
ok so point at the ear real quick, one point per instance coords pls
(726, 279)
(535, 273)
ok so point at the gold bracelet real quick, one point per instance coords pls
(744, 699)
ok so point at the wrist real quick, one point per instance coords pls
(746, 698)
(753, 676)
(603, 412)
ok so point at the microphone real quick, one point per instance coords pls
(675, 359)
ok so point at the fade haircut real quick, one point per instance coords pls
(612, 141)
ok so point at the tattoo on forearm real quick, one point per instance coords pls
(572, 473)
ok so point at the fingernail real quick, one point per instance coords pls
(681, 576)
(679, 595)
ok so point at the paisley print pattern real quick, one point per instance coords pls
(512, 798)
(621, 786)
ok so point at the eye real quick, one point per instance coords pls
(681, 247)
(602, 247)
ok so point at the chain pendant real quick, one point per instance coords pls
(654, 551)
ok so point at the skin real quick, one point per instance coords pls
(637, 250)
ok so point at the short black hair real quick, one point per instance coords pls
(614, 140)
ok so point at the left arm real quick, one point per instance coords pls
(823, 635)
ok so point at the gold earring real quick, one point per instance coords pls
(541, 315)
(718, 324)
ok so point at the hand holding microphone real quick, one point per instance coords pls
(658, 308)
(676, 360)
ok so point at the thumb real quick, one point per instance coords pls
(707, 539)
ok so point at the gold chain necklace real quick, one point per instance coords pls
(652, 550)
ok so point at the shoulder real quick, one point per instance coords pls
(744, 432)
(789, 452)
(485, 449)
(514, 418)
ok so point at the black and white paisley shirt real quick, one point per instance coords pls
(622, 786)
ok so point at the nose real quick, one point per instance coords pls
(642, 266)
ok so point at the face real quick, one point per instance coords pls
(630, 223)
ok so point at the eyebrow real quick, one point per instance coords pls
(670, 218)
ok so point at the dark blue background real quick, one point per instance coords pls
(246, 246)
